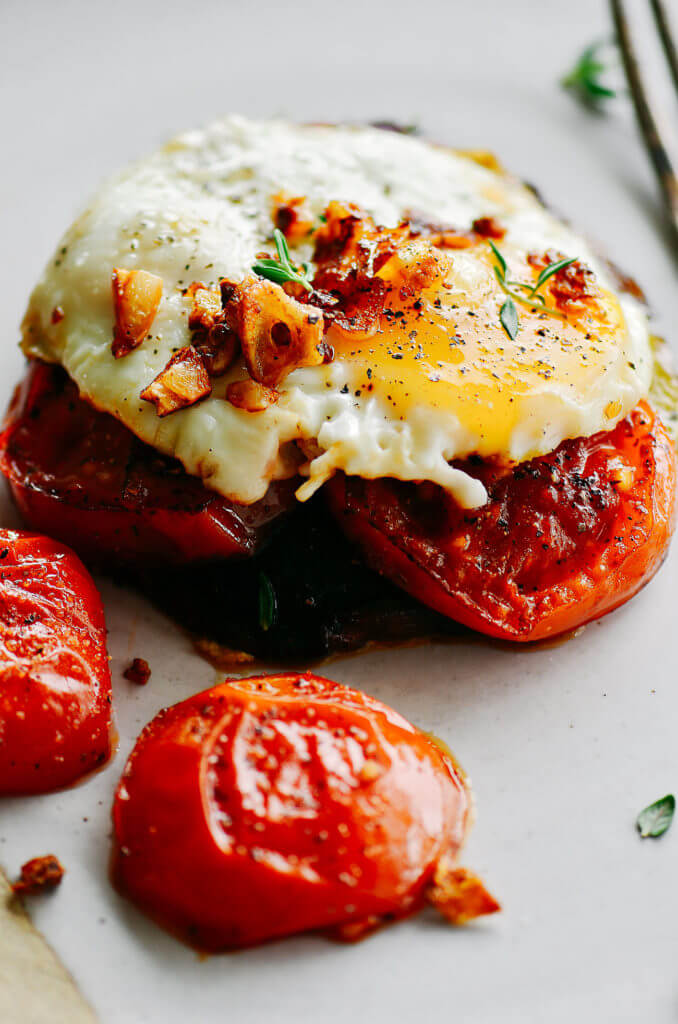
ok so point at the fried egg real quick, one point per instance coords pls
(441, 379)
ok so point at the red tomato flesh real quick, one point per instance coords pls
(80, 475)
(280, 804)
(562, 539)
(55, 683)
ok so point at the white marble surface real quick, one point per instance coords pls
(564, 744)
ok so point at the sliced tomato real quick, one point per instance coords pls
(80, 475)
(55, 683)
(562, 539)
(280, 804)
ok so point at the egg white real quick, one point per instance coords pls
(200, 209)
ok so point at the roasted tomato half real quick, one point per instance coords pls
(280, 804)
(563, 539)
(55, 683)
(81, 476)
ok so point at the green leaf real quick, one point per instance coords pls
(281, 246)
(549, 271)
(274, 273)
(583, 80)
(500, 259)
(268, 605)
(598, 91)
(269, 263)
(282, 270)
(654, 820)
(508, 315)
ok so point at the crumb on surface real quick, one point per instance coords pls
(138, 672)
(39, 873)
(459, 894)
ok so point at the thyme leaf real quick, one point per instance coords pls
(519, 291)
(583, 81)
(654, 820)
(549, 271)
(500, 259)
(508, 314)
(282, 270)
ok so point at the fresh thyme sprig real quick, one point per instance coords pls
(282, 270)
(584, 78)
(519, 291)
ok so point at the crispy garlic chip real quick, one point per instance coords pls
(217, 344)
(136, 297)
(183, 382)
(277, 333)
(250, 395)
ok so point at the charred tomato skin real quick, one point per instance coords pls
(80, 475)
(282, 804)
(563, 539)
(55, 682)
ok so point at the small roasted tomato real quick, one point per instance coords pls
(55, 683)
(563, 538)
(288, 803)
(78, 474)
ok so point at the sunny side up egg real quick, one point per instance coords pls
(441, 378)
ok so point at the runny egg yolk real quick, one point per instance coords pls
(444, 347)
